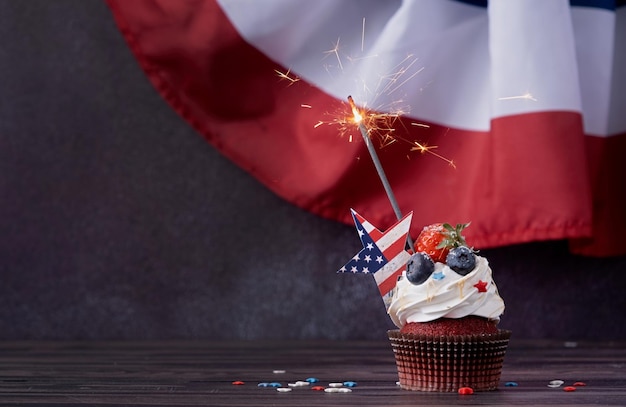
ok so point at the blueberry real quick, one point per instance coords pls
(419, 268)
(462, 260)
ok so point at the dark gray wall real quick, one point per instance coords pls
(118, 221)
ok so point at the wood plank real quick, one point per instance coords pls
(201, 373)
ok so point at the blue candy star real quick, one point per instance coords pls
(439, 275)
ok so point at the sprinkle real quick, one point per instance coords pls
(556, 383)
(317, 388)
(238, 383)
(263, 384)
(579, 384)
(275, 384)
(510, 384)
(278, 371)
(283, 389)
(481, 286)
(312, 380)
(302, 383)
(466, 390)
(570, 344)
(569, 388)
(438, 276)
(335, 385)
(299, 384)
(337, 390)
(349, 384)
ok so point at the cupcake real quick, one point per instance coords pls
(447, 308)
(443, 300)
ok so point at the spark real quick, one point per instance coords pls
(527, 96)
(359, 58)
(335, 51)
(423, 148)
(381, 126)
(384, 129)
(363, 35)
(286, 76)
(399, 73)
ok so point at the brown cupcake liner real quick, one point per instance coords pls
(447, 363)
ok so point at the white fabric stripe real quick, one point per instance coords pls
(617, 117)
(593, 30)
(464, 64)
(532, 51)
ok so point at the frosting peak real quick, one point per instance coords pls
(447, 294)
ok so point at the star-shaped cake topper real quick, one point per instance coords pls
(383, 254)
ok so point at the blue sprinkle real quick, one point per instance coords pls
(511, 384)
(438, 276)
(312, 380)
(275, 384)
(263, 384)
(349, 384)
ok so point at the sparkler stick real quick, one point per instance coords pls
(358, 119)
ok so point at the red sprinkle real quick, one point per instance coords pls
(466, 390)
(238, 383)
(579, 384)
(317, 388)
(569, 388)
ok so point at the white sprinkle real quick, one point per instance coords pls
(335, 384)
(555, 383)
(283, 389)
(302, 383)
(278, 371)
(298, 384)
(337, 390)
(570, 344)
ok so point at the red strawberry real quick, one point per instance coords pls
(437, 239)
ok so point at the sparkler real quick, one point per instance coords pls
(358, 119)
(376, 124)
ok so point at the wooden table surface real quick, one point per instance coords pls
(202, 374)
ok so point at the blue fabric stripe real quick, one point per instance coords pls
(479, 3)
(604, 4)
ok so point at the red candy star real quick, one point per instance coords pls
(481, 286)
(238, 383)
(466, 390)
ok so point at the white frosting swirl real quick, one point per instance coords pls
(446, 294)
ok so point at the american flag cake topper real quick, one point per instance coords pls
(383, 254)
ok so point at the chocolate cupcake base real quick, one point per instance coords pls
(447, 363)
